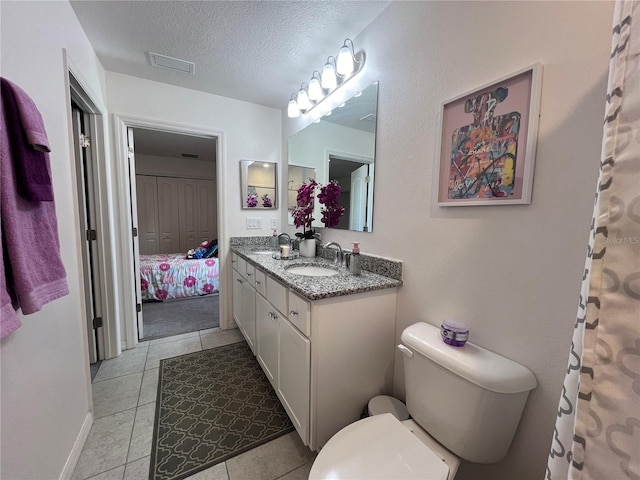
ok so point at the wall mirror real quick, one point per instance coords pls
(258, 184)
(340, 146)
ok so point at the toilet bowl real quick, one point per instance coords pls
(466, 403)
(382, 447)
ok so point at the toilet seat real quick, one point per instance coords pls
(377, 448)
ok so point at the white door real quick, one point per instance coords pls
(87, 211)
(358, 198)
(207, 210)
(168, 215)
(147, 193)
(134, 226)
(188, 214)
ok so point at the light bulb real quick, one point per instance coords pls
(303, 100)
(292, 110)
(328, 78)
(344, 64)
(315, 90)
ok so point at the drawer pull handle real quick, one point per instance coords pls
(238, 280)
(248, 274)
(258, 282)
(293, 313)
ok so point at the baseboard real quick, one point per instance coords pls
(74, 456)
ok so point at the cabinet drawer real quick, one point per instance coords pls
(277, 295)
(250, 274)
(261, 282)
(241, 266)
(299, 313)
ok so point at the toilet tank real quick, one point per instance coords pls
(468, 398)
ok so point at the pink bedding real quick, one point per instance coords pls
(170, 275)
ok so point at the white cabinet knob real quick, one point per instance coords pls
(293, 313)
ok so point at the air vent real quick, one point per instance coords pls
(170, 63)
(189, 155)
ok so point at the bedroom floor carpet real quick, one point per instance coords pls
(185, 315)
(211, 406)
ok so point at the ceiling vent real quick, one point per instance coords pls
(173, 64)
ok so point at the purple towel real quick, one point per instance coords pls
(29, 143)
(32, 270)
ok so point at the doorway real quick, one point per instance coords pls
(133, 320)
(176, 207)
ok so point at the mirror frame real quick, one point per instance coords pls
(244, 186)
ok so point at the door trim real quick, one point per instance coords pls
(88, 100)
(122, 198)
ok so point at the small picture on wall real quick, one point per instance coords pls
(487, 145)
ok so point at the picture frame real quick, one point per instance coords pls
(487, 143)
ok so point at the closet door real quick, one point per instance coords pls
(188, 213)
(207, 210)
(168, 215)
(147, 196)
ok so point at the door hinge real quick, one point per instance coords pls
(92, 235)
(367, 179)
(97, 322)
(138, 307)
(135, 232)
(130, 152)
(85, 142)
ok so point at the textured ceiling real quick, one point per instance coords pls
(256, 51)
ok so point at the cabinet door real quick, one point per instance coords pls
(168, 216)
(207, 210)
(248, 314)
(188, 207)
(294, 363)
(237, 297)
(267, 339)
(147, 199)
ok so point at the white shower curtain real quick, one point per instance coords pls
(597, 432)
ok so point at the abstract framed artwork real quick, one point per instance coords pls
(488, 142)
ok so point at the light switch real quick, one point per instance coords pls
(254, 223)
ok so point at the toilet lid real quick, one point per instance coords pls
(378, 447)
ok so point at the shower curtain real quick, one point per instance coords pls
(597, 431)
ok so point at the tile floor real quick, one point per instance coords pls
(124, 395)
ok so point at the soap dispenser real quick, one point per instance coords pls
(355, 262)
(274, 239)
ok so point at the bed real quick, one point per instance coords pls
(166, 276)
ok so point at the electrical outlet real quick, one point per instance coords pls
(274, 223)
(254, 223)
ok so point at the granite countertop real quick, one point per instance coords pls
(315, 288)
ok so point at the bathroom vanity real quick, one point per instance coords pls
(326, 343)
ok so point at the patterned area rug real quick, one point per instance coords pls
(212, 405)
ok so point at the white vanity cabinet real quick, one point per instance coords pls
(326, 358)
(244, 300)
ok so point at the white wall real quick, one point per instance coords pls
(511, 272)
(174, 166)
(250, 132)
(45, 373)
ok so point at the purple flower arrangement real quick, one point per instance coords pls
(252, 200)
(328, 196)
(266, 201)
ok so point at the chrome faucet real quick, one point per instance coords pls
(284, 235)
(339, 254)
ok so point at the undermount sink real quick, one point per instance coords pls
(312, 270)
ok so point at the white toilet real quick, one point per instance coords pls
(466, 403)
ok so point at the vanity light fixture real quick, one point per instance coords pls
(292, 110)
(333, 75)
